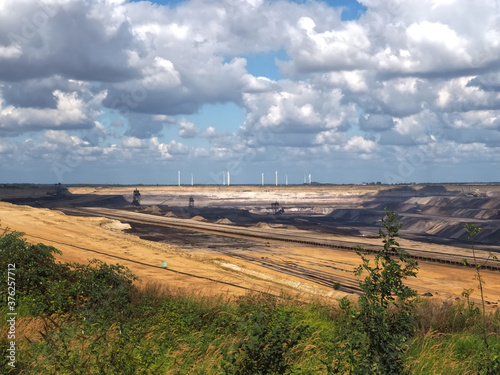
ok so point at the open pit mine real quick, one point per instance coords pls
(271, 239)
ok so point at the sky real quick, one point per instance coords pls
(134, 92)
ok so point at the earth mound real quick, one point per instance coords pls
(114, 225)
(198, 218)
(153, 210)
(224, 221)
(262, 225)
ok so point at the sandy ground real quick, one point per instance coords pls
(84, 238)
(211, 273)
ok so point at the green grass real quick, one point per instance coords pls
(458, 353)
(163, 332)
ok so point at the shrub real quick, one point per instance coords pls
(35, 269)
(492, 360)
(44, 286)
(73, 347)
(269, 336)
(375, 333)
(96, 289)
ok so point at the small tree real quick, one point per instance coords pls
(493, 362)
(379, 328)
(472, 231)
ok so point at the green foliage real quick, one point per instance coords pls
(97, 290)
(35, 267)
(44, 286)
(74, 347)
(270, 335)
(93, 321)
(491, 363)
(470, 309)
(457, 353)
(384, 284)
(492, 360)
(212, 335)
(448, 318)
(374, 335)
(472, 231)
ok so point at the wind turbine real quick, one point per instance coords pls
(178, 178)
(276, 178)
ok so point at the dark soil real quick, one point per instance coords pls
(188, 238)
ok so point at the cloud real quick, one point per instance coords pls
(133, 143)
(8, 148)
(78, 40)
(345, 48)
(164, 118)
(169, 150)
(294, 107)
(374, 122)
(144, 126)
(330, 137)
(486, 82)
(198, 83)
(35, 93)
(188, 129)
(429, 38)
(361, 145)
(108, 79)
(73, 110)
(210, 132)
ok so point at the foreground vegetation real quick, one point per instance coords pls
(92, 319)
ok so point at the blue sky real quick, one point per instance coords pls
(119, 91)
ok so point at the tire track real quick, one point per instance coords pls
(276, 235)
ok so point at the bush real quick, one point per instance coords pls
(374, 334)
(73, 347)
(35, 269)
(46, 287)
(99, 289)
(270, 335)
